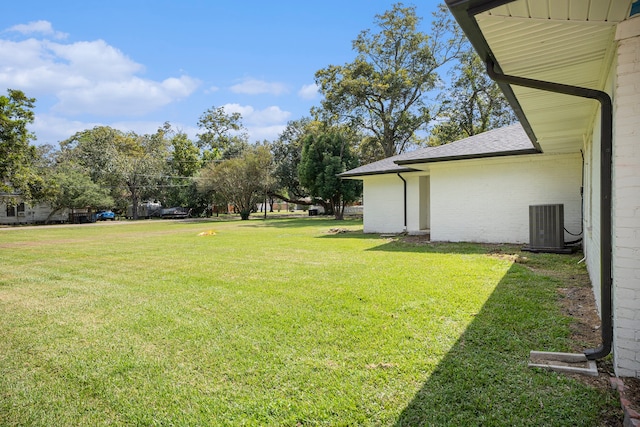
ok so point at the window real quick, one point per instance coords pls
(21, 209)
(11, 210)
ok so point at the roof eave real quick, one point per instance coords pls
(469, 157)
(384, 172)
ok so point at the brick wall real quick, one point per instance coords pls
(626, 201)
(383, 205)
(488, 200)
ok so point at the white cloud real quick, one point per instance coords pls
(53, 129)
(37, 27)
(267, 123)
(244, 110)
(270, 133)
(269, 115)
(257, 87)
(308, 91)
(86, 77)
(94, 58)
(133, 96)
(250, 116)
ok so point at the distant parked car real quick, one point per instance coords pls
(105, 215)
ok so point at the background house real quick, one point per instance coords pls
(13, 211)
(571, 71)
(476, 189)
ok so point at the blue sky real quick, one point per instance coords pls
(134, 64)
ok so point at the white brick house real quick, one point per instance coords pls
(476, 189)
(561, 64)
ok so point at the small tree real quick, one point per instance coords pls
(74, 189)
(222, 133)
(324, 157)
(240, 180)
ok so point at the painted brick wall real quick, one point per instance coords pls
(417, 202)
(592, 235)
(488, 200)
(382, 199)
(626, 201)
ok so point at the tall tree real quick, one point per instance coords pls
(17, 155)
(287, 151)
(184, 162)
(473, 104)
(383, 91)
(130, 165)
(240, 180)
(222, 133)
(184, 156)
(94, 149)
(325, 156)
(140, 163)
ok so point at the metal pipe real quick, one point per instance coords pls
(404, 200)
(606, 144)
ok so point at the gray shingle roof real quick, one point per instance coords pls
(509, 140)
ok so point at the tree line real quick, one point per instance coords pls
(389, 99)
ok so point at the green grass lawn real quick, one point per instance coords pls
(276, 322)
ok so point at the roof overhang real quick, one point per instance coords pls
(422, 164)
(563, 41)
(361, 175)
(469, 157)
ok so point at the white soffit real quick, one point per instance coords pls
(561, 41)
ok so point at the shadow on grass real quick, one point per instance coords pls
(443, 247)
(484, 378)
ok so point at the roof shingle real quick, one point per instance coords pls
(509, 140)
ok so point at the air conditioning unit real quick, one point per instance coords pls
(546, 229)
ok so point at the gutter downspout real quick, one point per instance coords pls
(606, 144)
(404, 200)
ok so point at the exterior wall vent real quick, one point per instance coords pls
(546, 228)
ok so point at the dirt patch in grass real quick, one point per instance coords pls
(338, 230)
(579, 304)
(421, 239)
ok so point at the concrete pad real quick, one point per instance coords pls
(576, 363)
